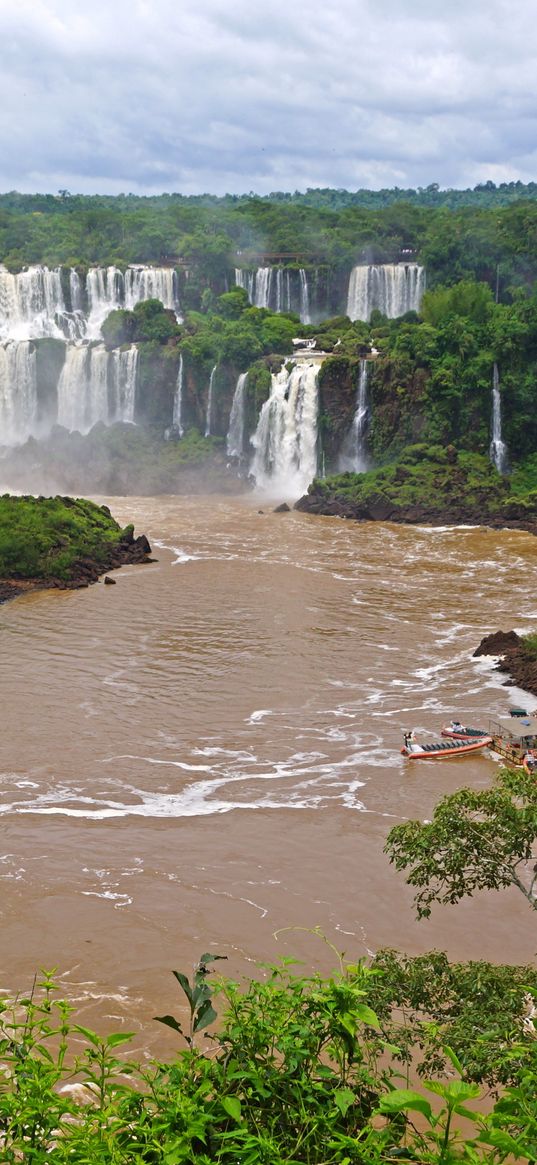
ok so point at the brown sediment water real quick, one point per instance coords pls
(209, 751)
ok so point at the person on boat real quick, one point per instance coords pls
(530, 762)
(410, 740)
(456, 726)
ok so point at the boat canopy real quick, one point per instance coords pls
(515, 730)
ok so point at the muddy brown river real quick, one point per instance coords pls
(209, 752)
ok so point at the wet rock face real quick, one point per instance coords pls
(516, 660)
(498, 643)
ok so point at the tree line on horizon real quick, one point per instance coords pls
(488, 233)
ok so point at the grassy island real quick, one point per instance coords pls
(427, 483)
(61, 542)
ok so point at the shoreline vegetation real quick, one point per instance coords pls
(428, 484)
(61, 542)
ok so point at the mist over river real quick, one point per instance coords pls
(209, 751)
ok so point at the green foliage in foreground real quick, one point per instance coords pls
(425, 1003)
(298, 1073)
(47, 537)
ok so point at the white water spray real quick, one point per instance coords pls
(285, 441)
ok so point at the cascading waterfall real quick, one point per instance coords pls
(498, 449)
(392, 288)
(262, 287)
(83, 387)
(353, 457)
(285, 441)
(281, 289)
(104, 287)
(44, 303)
(18, 392)
(108, 289)
(96, 385)
(235, 435)
(150, 283)
(178, 399)
(31, 304)
(122, 373)
(208, 421)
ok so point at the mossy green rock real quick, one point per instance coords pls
(59, 539)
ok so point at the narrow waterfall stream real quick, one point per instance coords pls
(178, 399)
(235, 434)
(209, 417)
(498, 448)
(353, 457)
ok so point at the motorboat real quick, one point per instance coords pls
(442, 748)
(457, 731)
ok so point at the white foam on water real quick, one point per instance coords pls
(119, 900)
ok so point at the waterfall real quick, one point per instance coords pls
(108, 289)
(121, 374)
(94, 385)
(262, 287)
(498, 450)
(281, 289)
(210, 403)
(304, 298)
(235, 435)
(287, 291)
(18, 393)
(83, 387)
(353, 457)
(258, 285)
(104, 286)
(31, 304)
(246, 280)
(178, 399)
(285, 441)
(150, 283)
(392, 288)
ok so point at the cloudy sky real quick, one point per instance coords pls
(236, 95)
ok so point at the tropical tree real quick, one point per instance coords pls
(477, 840)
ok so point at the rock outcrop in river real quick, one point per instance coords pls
(61, 542)
(518, 657)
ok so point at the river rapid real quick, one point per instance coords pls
(209, 752)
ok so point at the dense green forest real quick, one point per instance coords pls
(489, 233)
(430, 376)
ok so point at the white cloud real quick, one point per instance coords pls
(235, 95)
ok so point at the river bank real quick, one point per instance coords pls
(378, 509)
(429, 485)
